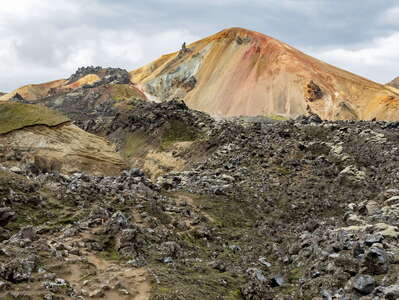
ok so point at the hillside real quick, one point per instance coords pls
(35, 136)
(257, 209)
(241, 72)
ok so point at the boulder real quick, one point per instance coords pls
(364, 284)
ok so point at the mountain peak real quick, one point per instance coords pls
(239, 30)
(242, 72)
(238, 34)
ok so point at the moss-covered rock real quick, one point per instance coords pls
(120, 92)
(15, 116)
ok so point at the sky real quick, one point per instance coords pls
(44, 40)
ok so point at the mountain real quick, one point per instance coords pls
(113, 82)
(241, 72)
(234, 72)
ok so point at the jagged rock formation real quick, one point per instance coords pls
(241, 72)
(35, 135)
(107, 75)
(111, 82)
(93, 103)
(18, 98)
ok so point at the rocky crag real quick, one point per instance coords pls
(97, 82)
(248, 208)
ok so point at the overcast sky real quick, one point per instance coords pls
(42, 40)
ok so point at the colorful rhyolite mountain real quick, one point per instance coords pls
(242, 72)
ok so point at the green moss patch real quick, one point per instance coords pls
(178, 131)
(277, 117)
(195, 281)
(15, 116)
(134, 142)
(120, 92)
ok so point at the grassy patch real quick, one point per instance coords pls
(277, 117)
(16, 116)
(111, 254)
(235, 295)
(281, 170)
(133, 143)
(195, 281)
(227, 213)
(121, 92)
(178, 132)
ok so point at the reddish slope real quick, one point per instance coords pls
(241, 72)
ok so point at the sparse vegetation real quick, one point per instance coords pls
(133, 143)
(121, 92)
(178, 132)
(16, 116)
(277, 117)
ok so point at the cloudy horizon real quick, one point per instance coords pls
(43, 40)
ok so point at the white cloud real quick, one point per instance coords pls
(390, 16)
(41, 41)
(301, 6)
(379, 60)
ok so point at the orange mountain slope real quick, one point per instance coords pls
(34, 91)
(242, 72)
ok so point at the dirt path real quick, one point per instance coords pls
(105, 279)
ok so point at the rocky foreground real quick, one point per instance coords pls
(255, 209)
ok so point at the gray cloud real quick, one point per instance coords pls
(42, 40)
